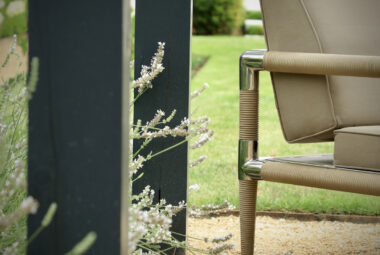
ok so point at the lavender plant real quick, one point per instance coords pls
(150, 223)
(14, 203)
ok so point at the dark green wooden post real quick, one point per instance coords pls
(166, 21)
(78, 123)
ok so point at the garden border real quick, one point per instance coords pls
(360, 219)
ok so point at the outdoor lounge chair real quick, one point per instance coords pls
(324, 59)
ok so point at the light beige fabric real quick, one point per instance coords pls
(312, 106)
(287, 28)
(350, 27)
(321, 177)
(358, 147)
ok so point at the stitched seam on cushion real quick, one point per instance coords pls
(322, 51)
(353, 133)
(357, 167)
(263, 20)
(313, 135)
(335, 124)
(271, 74)
(312, 25)
(275, 95)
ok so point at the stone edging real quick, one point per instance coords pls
(310, 216)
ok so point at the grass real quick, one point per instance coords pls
(217, 176)
(197, 62)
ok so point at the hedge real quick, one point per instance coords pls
(253, 15)
(217, 17)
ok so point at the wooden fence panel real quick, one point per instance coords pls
(166, 21)
(78, 123)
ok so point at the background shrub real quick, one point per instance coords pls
(253, 15)
(254, 30)
(217, 17)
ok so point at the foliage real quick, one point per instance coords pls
(254, 30)
(217, 177)
(14, 204)
(150, 223)
(253, 15)
(217, 17)
(12, 25)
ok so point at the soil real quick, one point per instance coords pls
(15, 65)
(290, 236)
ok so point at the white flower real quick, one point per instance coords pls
(204, 138)
(222, 238)
(136, 164)
(194, 187)
(198, 92)
(29, 204)
(197, 162)
(147, 74)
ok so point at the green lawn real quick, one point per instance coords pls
(217, 176)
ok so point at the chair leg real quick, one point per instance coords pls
(248, 194)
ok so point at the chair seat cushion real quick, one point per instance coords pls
(358, 147)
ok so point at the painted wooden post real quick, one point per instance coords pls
(78, 123)
(166, 21)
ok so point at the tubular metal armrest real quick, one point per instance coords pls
(323, 64)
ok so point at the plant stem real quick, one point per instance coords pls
(137, 97)
(145, 143)
(169, 148)
(34, 235)
(179, 234)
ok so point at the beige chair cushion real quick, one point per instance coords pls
(312, 106)
(358, 147)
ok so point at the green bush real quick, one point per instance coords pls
(254, 30)
(15, 24)
(217, 17)
(253, 15)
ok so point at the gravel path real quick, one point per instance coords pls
(285, 237)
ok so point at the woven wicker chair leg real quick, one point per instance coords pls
(248, 194)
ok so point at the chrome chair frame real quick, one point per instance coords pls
(250, 167)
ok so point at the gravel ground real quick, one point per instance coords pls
(285, 237)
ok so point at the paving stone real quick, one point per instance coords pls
(16, 7)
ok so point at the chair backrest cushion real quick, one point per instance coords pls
(311, 107)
